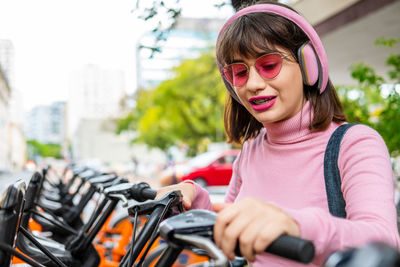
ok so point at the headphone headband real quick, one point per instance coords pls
(300, 22)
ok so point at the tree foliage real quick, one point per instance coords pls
(375, 101)
(164, 14)
(44, 150)
(147, 11)
(389, 124)
(187, 108)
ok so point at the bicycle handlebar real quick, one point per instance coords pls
(142, 192)
(201, 223)
(126, 191)
(170, 204)
(290, 247)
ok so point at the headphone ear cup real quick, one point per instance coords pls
(309, 65)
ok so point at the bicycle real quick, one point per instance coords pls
(165, 220)
(195, 221)
(79, 241)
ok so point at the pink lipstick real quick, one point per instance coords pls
(262, 103)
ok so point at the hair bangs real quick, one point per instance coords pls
(243, 37)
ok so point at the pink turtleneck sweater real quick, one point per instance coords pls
(284, 165)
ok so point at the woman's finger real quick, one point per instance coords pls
(224, 217)
(265, 238)
(232, 232)
(217, 207)
(248, 236)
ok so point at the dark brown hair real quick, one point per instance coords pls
(249, 34)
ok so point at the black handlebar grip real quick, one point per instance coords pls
(293, 248)
(290, 247)
(142, 192)
(149, 193)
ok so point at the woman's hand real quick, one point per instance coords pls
(254, 223)
(187, 190)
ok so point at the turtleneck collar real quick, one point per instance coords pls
(291, 130)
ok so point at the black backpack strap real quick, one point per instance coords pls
(333, 181)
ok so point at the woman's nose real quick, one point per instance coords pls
(255, 81)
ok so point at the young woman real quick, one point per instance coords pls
(283, 109)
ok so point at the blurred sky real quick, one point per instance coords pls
(53, 37)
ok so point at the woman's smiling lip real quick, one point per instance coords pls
(265, 106)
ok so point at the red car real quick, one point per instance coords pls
(211, 168)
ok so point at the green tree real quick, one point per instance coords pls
(44, 150)
(378, 101)
(187, 108)
(360, 101)
(389, 123)
(354, 104)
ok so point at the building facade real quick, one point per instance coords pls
(94, 101)
(7, 61)
(349, 29)
(94, 93)
(5, 92)
(47, 123)
(13, 144)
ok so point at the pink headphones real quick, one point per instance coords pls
(312, 57)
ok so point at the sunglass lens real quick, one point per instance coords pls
(236, 74)
(269, 65)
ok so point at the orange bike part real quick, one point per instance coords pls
(15, 260)
(34, 226)
(185, 258)
(122, 234)
(104, 262)
(118, 236)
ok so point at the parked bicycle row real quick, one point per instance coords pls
(88, 218)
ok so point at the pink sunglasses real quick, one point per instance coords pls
(268, 66)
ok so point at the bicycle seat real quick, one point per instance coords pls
(123, 188)
(37, 181)
(88, 174)
(102, 179)
(78, 169)
(118, 180)
(52, 195)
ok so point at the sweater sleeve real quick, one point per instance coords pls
(236, 180)
(367, 186)
(201, 197)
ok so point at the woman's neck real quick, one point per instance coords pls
(292, 129)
